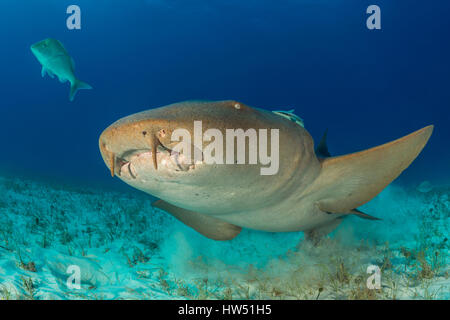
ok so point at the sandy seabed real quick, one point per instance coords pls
(126, 249)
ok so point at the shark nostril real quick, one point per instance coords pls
(103, 149)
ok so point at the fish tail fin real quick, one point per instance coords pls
(77, 85)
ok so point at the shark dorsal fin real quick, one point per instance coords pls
(322, 148)
(291, 116)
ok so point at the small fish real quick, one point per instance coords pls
(291, 116)
(55, 60)
(425, 187)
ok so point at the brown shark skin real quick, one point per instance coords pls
(300, 197)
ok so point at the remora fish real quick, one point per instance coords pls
(56, 61)
(309, 193)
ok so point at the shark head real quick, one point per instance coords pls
(140, 145)
(148, 137)
(144, 150)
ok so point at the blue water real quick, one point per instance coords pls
(367, 86)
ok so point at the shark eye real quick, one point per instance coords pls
(144, 133)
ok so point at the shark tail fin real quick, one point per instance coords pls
(77, 85)
(349, 181)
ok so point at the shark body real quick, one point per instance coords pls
(55, 60)
(308, 193)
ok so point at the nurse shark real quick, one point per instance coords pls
(310, 191)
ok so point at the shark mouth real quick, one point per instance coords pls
(165, 159)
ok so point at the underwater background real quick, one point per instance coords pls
(59, 205)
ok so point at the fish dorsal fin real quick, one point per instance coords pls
(62, 47)
(322, 148)
(291, 116)
(210, 227)
(349, 181)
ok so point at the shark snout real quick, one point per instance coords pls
(120, 143)
(115, 145)
(109, 157)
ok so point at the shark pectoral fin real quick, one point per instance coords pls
(363, 215)
(210, 227)
(350, 181)
(355, 212)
